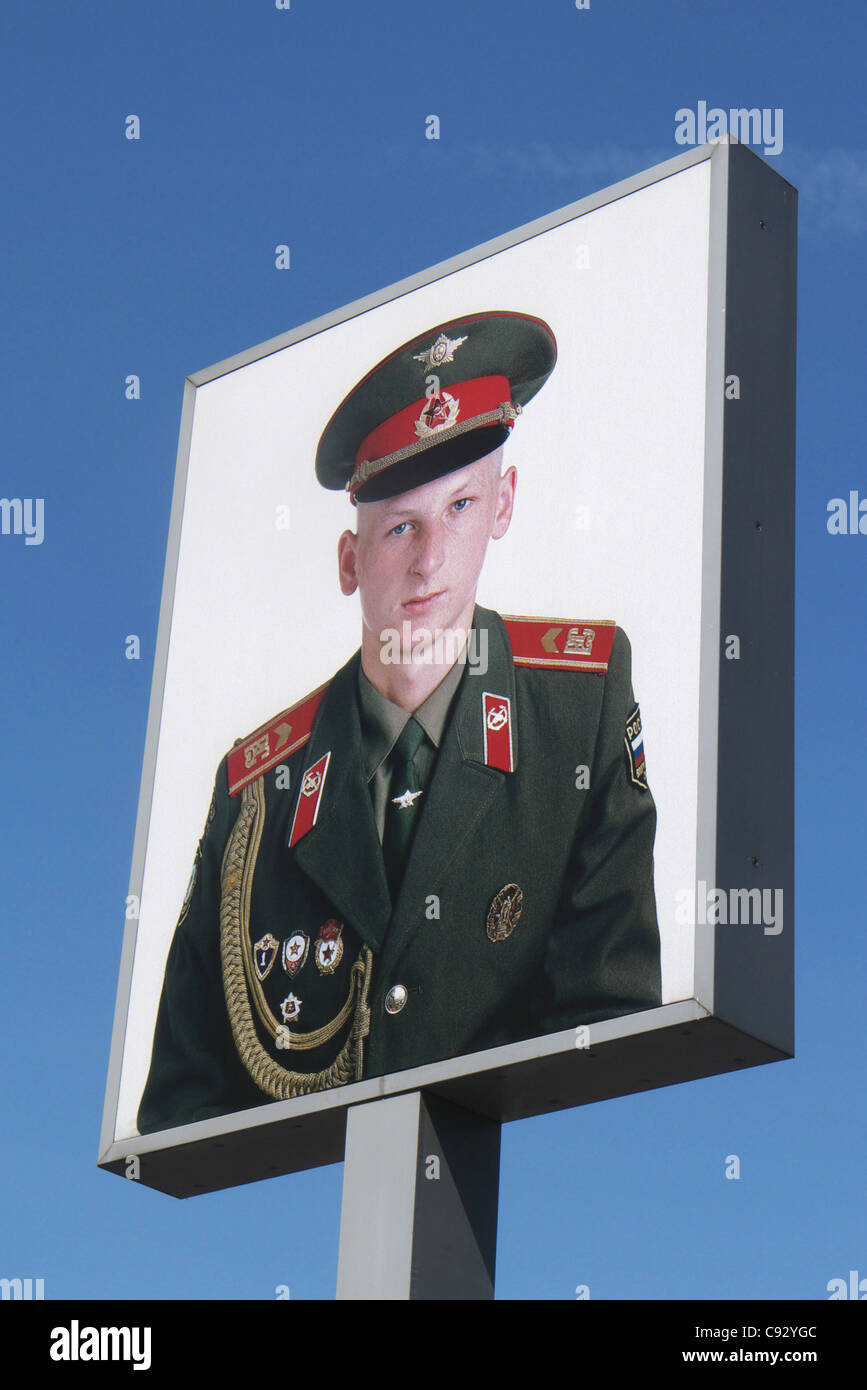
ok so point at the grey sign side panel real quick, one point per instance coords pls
(754, 980)
(708, 752)
(149, 762)
(662, 1047)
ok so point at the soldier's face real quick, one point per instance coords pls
(417, 557)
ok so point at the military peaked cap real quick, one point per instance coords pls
(444, 399)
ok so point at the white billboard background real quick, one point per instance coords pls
(608, 524)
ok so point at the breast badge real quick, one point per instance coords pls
(504, 912)
(290, 1008)
(328, 951)
(295, 952)
(265, 954)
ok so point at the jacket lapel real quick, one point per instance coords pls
(341, 853)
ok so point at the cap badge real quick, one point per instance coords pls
(438, 412)
(504, 912)
(443, 350)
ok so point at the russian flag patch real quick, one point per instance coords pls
(635, 749)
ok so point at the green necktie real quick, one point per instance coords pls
(402, 809)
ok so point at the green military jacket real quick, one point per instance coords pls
(526, 906)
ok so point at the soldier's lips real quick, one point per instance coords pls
(417, 606)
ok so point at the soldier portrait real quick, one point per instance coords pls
(448, 844)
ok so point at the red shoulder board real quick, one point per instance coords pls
(273, 742)
(562, 644)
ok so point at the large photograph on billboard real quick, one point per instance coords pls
(436, 625)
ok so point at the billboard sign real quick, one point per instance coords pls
(478, 599)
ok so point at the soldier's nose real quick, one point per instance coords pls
(428, 556)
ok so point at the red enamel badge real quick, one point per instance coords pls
(328, 951)
(497, 727)
(307, 809)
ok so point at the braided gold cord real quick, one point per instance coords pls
(237, 873)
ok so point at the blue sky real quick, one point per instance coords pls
(155, 257)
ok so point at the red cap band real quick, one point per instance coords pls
(434, 413)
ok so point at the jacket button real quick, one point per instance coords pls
(395, 999)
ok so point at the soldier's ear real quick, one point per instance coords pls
(346, 562)
(505, 503)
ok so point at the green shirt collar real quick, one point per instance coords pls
(382, 721)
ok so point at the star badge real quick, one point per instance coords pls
(405, 800)
(290, 1008)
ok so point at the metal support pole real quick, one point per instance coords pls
(420, 1192)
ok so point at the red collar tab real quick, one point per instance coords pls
(562, 644)
(309, 797)
(273, 742)
(497, 732)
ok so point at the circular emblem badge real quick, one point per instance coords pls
(497, 717)
(504, 912)
(311, 783)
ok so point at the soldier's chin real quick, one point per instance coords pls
(432, 645)
(417, 642)
(419, 650)
(417, 638)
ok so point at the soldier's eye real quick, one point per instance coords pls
(398, 530)
(461, 504)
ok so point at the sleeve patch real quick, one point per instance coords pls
(634, 741)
